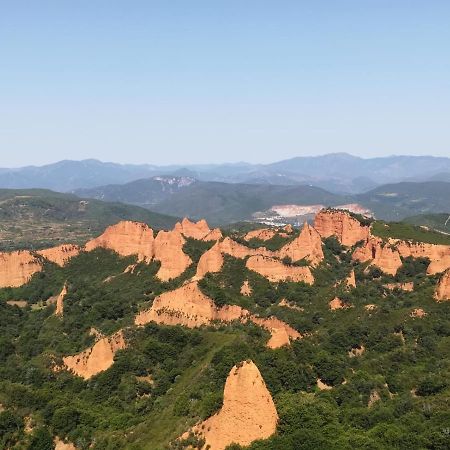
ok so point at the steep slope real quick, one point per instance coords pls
(247, 414)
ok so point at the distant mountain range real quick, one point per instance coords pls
(339, 173)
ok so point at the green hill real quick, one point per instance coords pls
(40, 218)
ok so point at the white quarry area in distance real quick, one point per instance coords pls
(280, 215)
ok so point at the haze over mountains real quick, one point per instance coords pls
(337, 172)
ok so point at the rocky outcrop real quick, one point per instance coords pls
(308, 245)
(285, 304)
(59, 311)
(336, 303)
(281, 333)
(350, 281)
(126, 238)
(188, 306)
(168, 249)
(196, 230)
(382, 255)
(408, 287)
(418, 313)
(97, 358)
(442, 291)
(246, 289)
(439, 255)
(248, 412)
(210, 262)
(61, 445)
(263, 234)
(213, 235)
(274, 270)
(341, 224)
(60, 255)
(233, 248)
(356, 351)
(17, 268)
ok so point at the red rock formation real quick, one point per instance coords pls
(418, 313)
(439, 255)
(126, 238)
(248, 412)
(274, 270)
(210, 261)
(264, 234)
(336, 303)
(16, 268)
(350, 281)
(60, 255)
(97, 358)
(356, 351)
(403, 286)
(195, 230)
(442, 291)
(246, 289)
(213, 235)
(168, 249)
(308, 245)
(323, 386)
(284, 303)
(59, 311)
(188, 306)
(381, 255)
(237, 250)
(61, 445)
(281, 333)
(341, 224)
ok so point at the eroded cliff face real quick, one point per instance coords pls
(16, 268)
(59, 311)
(246, 289)
(439, 255)
(188, 306)
(350, 281)
(197, 230)
(274, 270)
(264, 234)
(442, 291)
(61, 254)
(382, 255)
(97, 358)
(281, 333)
(126, 238)
(237, 250)
(168, 249)
(248, 412)
(211, 261)
(308, 245)
(341, 224)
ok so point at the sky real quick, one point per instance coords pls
(178, 81)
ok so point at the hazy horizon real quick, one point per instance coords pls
(177, 83)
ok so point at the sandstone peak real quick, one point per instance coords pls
(274, 270)
(195, 230)
(97, 358)
(336, 303)
(264, 234)
(248, 412)
(442, 291)
(210, 261)
(126, 238)
(168, 249)
(246, 289)
(341, 224)
(60, 301)
(237, 250)
(307, 245)
(17, 268)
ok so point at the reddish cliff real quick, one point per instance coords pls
(341, 224)
(210, 261)
(443, 288)
(264, 234)
(60, 255)
(196, 230)
(350, 281)
(97, 358)
(237, 250)
(59, 311)
(382, 255)
(16, 268)
(308, 245)
(248, 412)
(126, 238)
(168, 249)
(274, 270)
(281, 333)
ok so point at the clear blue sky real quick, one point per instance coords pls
(222, 80)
